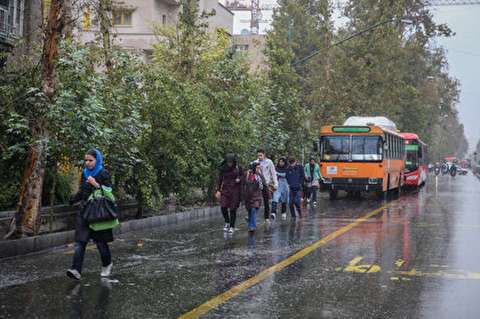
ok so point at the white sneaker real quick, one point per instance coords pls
(273, 216)
(74, 274)
(315, 204)
(231, 230)
(284, 216)
(226, 227)
(267, 222)
(106, 271)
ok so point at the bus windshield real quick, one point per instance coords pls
(411, 164)
(352, 148)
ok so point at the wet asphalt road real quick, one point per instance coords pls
(418, 258)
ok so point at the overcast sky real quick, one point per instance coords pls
(464, 59)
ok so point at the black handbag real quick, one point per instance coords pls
(100, 209)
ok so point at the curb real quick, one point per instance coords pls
(23, 246)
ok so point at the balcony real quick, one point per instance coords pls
(8, 32)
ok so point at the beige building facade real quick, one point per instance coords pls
(253, 47)
(134, 21)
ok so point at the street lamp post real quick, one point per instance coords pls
(356, 34)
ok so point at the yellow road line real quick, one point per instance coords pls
(229, 294)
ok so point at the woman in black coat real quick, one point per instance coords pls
(229, 189)
(94, 176)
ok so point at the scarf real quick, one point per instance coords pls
(254, 178)
(98, 166)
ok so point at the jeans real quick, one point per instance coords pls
(252, 218)
(295, 201)
(80, 254)
(266, 202)
(229, 218)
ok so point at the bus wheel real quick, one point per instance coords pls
(333, 194)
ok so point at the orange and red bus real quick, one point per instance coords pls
(361, 158)
(416, 162)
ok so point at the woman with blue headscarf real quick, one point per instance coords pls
(94, 176)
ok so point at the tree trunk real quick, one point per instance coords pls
(27, 216)
(105, 17)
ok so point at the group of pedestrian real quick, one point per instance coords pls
(281, 185)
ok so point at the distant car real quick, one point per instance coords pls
(462, 171)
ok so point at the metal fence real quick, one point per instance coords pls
(61, 218)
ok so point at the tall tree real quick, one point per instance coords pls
(27, 216)
(299, 28)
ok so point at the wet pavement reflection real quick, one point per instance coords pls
(414, 259)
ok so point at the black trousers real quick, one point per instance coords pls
(312, 193)
(266, 202)
(229, 216)
(79, 254)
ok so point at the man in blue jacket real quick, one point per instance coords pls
(295, 179)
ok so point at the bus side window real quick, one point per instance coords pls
(396, 147)
(392, 139)
(390, 146)
(399, 143)
(385, 147)
(387, 151)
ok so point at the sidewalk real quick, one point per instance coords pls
(10, 248)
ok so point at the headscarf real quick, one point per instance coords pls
(98, 166)
(229, 157)
(284, 168)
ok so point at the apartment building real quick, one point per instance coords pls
(252, 46)
(134, 21)
(11, 22)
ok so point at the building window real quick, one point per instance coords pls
(18, 14)
(241, 47)
(4, 3)
(86, 19)
(122, 17)
(46, 9)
